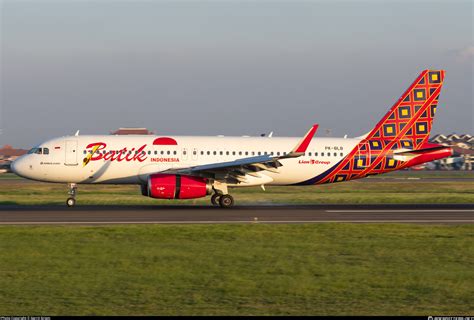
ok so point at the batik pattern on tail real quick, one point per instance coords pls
(406, 126)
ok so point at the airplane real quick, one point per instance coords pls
(188, 167)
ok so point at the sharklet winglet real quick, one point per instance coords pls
(301, 147)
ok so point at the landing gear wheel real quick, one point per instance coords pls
(71, 202)
(226, 201)
(215, 199)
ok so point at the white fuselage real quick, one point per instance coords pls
(65, 159)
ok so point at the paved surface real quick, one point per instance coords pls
(92, 215)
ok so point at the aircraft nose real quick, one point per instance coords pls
(13, 167)
(17, 167)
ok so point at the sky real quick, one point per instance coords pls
(226, 67)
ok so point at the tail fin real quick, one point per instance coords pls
(410, 119)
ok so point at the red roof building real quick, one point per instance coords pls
(8, 152)
(126, 131)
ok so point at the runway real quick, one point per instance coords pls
(100, 215)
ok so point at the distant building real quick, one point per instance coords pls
(7, 155)
(127, 131)
(8, 152)
(463, 148)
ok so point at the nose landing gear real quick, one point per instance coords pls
(71, 201)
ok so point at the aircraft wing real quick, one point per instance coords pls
(232, 171)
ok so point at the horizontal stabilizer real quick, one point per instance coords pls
(431, 149)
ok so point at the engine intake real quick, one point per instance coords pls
(173, 186)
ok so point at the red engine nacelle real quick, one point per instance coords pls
(172, 186)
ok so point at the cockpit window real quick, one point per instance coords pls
(39, 151)
(36, 150)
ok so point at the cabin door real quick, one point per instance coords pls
(71, 153)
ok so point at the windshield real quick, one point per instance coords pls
(39, 151)
(36, 150)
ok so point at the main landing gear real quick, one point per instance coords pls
(222, 200)
(215, 199)
(71, 201)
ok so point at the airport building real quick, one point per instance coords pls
(7, 155)
(463, 157)
(127, 131)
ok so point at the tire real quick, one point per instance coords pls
(226, 201)
(71, 202)
(215, 199)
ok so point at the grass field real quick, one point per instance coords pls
(405, 187)
(255, 269)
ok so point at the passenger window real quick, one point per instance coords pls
(168, 152)
(209, 153)
(202, 153)
(246, 153)
(278, 153)
(184, 152)
(221, 153)
(253, 153)
(174, 152)
(215, 152)
(227, 153)
(194, 152)
(259, 153)
(316, 154)
(45, 151)
(322, 154)
(233, 153)
(309, 153)
(240, 153)
(335, 154)
(341, 154)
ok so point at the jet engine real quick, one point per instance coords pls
(173, 186)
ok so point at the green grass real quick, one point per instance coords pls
(254, 269)
(426, 174)
(23, 192)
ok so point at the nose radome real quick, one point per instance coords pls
(12, 167)
(17, 167)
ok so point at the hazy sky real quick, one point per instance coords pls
(227, 67)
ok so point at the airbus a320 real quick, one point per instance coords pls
(187, 167)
